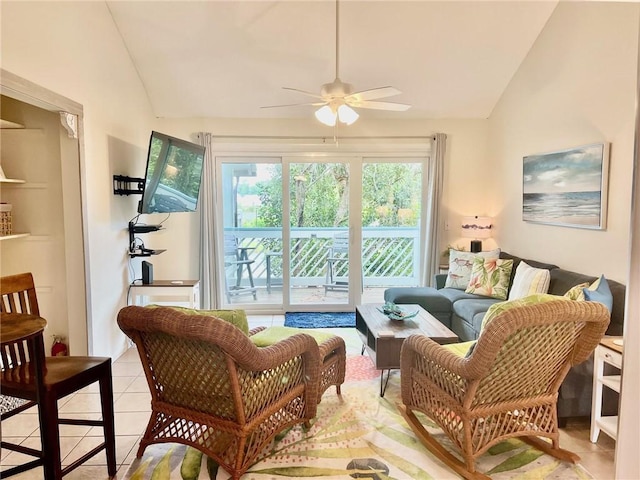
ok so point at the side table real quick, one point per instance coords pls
(609, 352)
(187, 289)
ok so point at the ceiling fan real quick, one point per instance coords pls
(337, 99)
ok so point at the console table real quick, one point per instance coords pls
(189, 290)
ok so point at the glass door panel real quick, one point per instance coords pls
(252, 221)
(392, 197)
(319, 232)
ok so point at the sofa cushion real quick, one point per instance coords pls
(467, 309)
(453, 295)
(576, 292)
(429, 298)
(490, 278)
(460, 264)
(529, 281)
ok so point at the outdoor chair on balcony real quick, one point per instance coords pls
(213, 389)
(337, 262)
(237, 257)
(507, 387)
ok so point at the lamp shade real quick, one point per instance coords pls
(477, 227)
(327, 116)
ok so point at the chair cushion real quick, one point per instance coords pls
(501, 307)
(272, 335)
(461, 349)
(235, 317)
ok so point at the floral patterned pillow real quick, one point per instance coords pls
(490, 277)
(460, 264)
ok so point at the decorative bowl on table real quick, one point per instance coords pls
(394, 312)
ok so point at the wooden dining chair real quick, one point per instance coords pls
(44, 384)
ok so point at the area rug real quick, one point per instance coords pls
(319, 319)
(353, 433)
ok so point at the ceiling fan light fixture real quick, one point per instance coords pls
(347, 115)
(326, 115)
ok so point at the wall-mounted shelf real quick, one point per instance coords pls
(146, 252)
(14, 236)
(11, 180)
(7, 124)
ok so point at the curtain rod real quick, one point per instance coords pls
(325, 138)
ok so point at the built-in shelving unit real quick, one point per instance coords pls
(8, 125)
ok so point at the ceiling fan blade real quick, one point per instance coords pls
(303, 91)
(374, 93)
(398, 107)
(315, 104)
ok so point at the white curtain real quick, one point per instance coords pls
(431, 260)
(208, 244)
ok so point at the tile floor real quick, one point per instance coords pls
(132, 408)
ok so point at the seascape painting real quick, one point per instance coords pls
(567, 187)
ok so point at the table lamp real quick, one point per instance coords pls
(476, 228)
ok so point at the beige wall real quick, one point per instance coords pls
(576, 87)
(74, 50)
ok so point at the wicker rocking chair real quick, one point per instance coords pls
(508, 387)
(213, 389)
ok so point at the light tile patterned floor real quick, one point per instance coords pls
(132, 407)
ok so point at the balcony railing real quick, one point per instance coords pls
(390, 255)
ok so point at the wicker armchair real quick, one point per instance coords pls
(213, 389)
(508, 386)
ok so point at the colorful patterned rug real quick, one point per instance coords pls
(355, 432)
(319, 319)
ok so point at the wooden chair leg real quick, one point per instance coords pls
(50, 436)
(438, 450)
(106, 400)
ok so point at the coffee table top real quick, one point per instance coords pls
(423, 323)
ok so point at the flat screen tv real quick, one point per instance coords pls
(173, 176)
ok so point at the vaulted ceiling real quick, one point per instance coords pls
(450, 59)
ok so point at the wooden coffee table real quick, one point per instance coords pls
(383, 338)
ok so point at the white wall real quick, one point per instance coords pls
(576, 87)
(74, 49)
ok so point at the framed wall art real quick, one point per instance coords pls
(567, 187)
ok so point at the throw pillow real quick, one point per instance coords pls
(460, 264)
(528, 281)
(602, 293)
(500, 307)
(575, 292)
(490, 277)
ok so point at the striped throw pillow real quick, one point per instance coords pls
(528, 281)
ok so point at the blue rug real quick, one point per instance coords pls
(320, 320)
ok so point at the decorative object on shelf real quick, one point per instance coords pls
(5, 219)
(394, 312)
(567, 188)
(476, 228)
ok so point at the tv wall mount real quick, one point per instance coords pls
(123, 185)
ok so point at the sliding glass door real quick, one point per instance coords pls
(313, 233)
